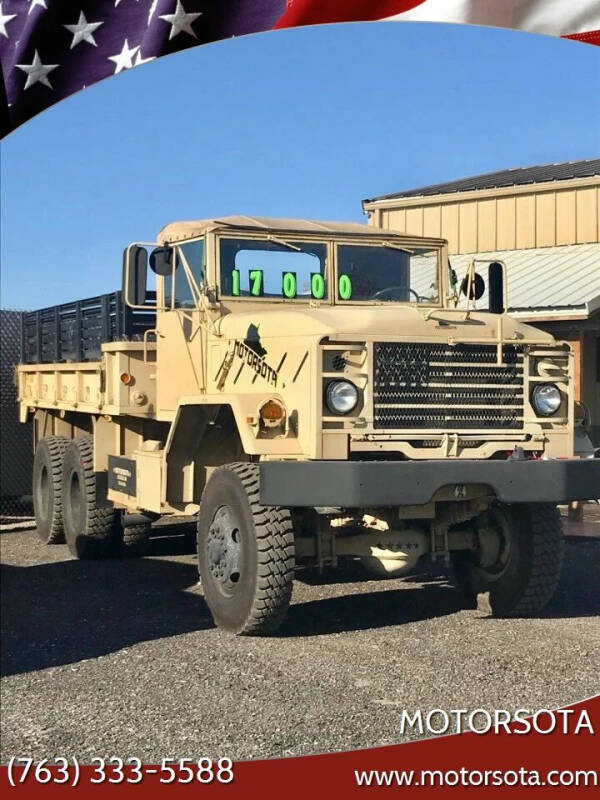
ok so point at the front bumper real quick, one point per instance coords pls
(359, 484)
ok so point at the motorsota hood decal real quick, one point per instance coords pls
(252, 354)
(253, 342)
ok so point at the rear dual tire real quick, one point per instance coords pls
(133, 541)
(90, 527)
(69, 505)
(47, 489)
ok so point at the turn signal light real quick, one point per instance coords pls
(126, 378)
(272, 411)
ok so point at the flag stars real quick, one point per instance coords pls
(124, 59)
(180, 21)
(4, 20)
(152, 10)
(83, 31)
(138, 60)
(34, 3)
(37, 72)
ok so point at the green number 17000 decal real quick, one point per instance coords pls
(345, 287)
(289, 284)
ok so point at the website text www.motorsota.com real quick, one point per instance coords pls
(462, 776)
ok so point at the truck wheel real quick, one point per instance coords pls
(47, 488)
(518, 561)
(89, 527)
(132, 533)
(135, 539)
(245, 552)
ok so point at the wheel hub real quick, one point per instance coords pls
(224, 549)
(494, 544)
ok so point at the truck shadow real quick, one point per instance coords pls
(69, 611)
(370, 610)
(578, 593)
(577, 596)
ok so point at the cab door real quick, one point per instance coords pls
(181, 336)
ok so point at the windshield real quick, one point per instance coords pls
(385, 273)
(283, 269)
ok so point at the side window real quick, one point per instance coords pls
(193, 252)
(168, 283)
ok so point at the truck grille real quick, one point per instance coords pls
(438, 386)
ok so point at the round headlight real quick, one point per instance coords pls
(341, 397)
(546, 399)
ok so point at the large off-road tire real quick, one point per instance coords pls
(47, 488)
(245, 553)
(520, 576)
(134, 540)
(88, 523)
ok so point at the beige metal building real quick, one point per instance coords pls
(544, 223)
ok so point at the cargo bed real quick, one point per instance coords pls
(74, 332)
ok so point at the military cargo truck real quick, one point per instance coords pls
(311, 392)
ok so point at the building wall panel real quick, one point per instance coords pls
(545, 219)
(525, 221)
(498, 219)
(506, 227)
(588, 221)
(467, 232)
(487, 225)
(566, 217)
(395, 220)
(450, 225)
(414, 220)
(402, 220)
(432, 221)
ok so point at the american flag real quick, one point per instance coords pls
(50, 49)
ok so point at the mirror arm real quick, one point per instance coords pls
(470, 288)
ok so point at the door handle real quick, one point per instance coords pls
(145, 341)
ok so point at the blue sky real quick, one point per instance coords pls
(300, 123)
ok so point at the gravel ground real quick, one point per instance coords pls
(121, 658)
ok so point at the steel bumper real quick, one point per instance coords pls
(353, 484)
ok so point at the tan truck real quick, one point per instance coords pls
(311, 392)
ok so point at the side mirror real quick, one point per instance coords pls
(496, 283)
(135, 272)
(453, 278)
(161, 261)
(477, 288)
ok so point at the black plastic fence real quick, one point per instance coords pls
(75, 331)
(16, 439)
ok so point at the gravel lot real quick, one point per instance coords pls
(121, 658)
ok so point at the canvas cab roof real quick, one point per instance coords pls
(178, 231)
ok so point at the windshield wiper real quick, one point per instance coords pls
(283, 243)
(390, 246)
